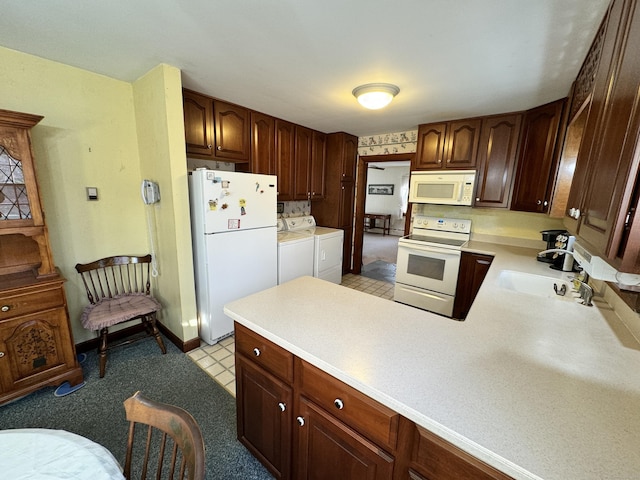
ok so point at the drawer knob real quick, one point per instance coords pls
(338, 403)
(5, 308)
(1, 354)
(300, 421)
(283, 406)
(219, 147)
(256, 352)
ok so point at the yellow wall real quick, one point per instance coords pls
(89, 137)
(511, 227)
(160, 126)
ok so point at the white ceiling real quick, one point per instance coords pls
(300, 59)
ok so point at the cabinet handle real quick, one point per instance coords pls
(209, 146)
(1, 354)
(338, 403)
(219, 147)
(539, 202)
(5, 308)
(300, 421)
(256, 352)
(477, 199)
(283, 406)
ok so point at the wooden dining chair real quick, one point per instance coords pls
(172, 435)
(119, 290)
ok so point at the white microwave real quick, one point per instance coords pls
(453, 187)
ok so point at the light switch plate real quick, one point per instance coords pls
(92, 193)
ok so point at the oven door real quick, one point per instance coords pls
(428, 267)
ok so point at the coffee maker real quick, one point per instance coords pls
(558, 239)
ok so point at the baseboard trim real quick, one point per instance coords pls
(184, 346)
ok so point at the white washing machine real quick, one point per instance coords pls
(327, 251)
(295, 254)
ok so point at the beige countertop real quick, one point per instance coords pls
(540, 388)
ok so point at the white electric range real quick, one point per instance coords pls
(428, 263)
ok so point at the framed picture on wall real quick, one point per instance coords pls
(380, 189)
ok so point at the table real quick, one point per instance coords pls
(370, 221)
(32, 453)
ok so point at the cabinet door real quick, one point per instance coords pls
(285, 145)
(598, 100)
(231, 132)
(531, 192)
(347, 198)
(613, 160)
(302, 163)
(473, 270)
(430, 147)
(349, 157)
(462, 144)
(318, 156)
(328, 449)
(496, 160)
(36, 348)
(264, 416)
(347, 250)
(263, 137)
(198, 123)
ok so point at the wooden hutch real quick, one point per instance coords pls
(36, 342)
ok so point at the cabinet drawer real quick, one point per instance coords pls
(21, 304)
(434, 457)
(265, 353)
(370, 418)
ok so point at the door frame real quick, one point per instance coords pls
(361, 195)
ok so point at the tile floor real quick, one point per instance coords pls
(219, 361)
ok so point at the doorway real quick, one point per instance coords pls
(380, 192)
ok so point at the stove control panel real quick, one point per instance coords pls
(442, 224)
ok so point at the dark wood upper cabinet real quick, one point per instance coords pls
(447, 145)
(232, 138)
(609, 202)
(285, 158)
(263, 137)
(462, 143)
(215, 130)
(537, 158)
(430, 147)
(318, 160)
(302, 167)
(198, 123)
(496, 160)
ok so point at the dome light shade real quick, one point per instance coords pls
(375, 95)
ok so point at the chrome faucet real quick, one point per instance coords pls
(586, 292)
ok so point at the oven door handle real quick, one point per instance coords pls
(428, 295)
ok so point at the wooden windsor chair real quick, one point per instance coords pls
(119, 290)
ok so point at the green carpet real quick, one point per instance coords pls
(96, 411)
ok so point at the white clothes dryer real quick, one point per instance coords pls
(328, 246)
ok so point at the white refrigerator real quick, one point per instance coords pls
(233, 226)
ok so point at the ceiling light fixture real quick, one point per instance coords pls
(375, 95)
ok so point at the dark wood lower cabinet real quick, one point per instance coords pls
(264, 416)
(326, 448)
(473, 269)
(304, 424)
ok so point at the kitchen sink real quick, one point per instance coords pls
(538, 285)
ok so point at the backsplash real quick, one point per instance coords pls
(388, 143)
(294, 209)
(498, 225)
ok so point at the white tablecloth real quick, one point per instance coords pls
(42, 454)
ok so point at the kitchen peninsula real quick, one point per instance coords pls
(537, 388)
